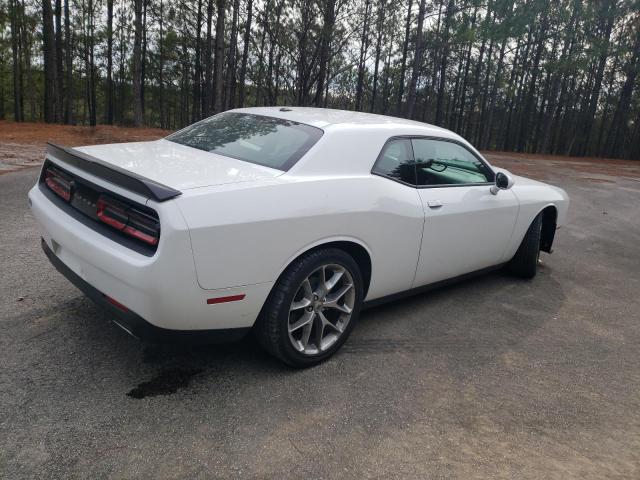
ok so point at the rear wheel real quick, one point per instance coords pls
(524, 263)
(312, 309)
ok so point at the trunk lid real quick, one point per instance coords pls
(178, 166)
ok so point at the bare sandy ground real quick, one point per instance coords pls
(23, 144)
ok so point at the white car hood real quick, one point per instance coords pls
(178, 166)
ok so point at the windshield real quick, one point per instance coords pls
(268, 141)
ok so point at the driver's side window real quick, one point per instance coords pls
(439, 162)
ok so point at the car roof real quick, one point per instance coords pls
(325, 117)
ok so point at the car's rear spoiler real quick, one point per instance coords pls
(112, 173)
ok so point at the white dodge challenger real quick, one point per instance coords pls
(284, 220)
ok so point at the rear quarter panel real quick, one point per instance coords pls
(249, 233)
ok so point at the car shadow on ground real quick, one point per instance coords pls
(471, 322)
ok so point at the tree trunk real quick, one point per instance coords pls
(374, 90)
(488, 124)
(218, 88)
(525, 123)
(59, 61)
(327, 29)
(137, 64)
(417, 63)
(386, 87)
(49, 57)
(273, 40)
(109, 90)
(487, 27)
(162, 108)
(263, 38)
(18, 115)
(443, 64)
(90, 66)
(245, 55)
(364, 46)
(231, 64)
(207, 91)
(122, 84)
(403, 63)
(545, 140)
(615, 146)
(68, 51)
(584, 133)
(485, 95)
(465, 78)
(515, 87)
(143, 59)
(196, 108)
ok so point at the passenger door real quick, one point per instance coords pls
(466, 227)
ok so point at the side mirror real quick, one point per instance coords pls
(504, 181)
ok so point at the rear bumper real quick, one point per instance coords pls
(134, 324)
(161, 289)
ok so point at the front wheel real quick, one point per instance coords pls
(312, 308)
(524, 263)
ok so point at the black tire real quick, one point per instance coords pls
(271, 328)
(524, 263)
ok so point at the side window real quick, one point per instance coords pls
(446, 163)
(396, 161)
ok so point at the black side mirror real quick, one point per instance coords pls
(504, 181)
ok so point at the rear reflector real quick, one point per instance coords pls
(116, 303)
(231, 298)
(58, 182)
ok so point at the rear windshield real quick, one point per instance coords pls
(267, 141)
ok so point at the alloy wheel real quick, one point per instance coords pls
(321, 309)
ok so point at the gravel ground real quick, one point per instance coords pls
(494, 377)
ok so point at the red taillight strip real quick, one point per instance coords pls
(129, 230)
(230, 298)
(102, 215)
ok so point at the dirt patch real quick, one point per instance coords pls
(14, 156)
(71, 135)
(23, 144)
(597, 180)
(548, 167)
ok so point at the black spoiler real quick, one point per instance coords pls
(112, 173)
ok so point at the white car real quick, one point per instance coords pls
(284, 220)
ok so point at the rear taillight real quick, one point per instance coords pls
(58, 182)
(143, 227)
(128, 220)
(112, 212)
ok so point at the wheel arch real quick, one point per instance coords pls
(549, 223)
(354, 247)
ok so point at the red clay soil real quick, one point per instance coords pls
(544, 167)
(69, 135)
(22, 145)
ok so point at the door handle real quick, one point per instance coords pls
(434, 203)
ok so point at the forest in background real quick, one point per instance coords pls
(556, 77)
